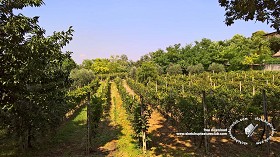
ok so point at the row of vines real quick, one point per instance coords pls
(99, 101)
(138, 113)
(228, 96)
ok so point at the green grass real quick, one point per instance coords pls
(126, 144)
(70, 139)
(74, 129)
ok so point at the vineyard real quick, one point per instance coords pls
(185, 103)
(207, 98)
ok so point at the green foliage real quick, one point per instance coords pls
(181, 98)
(262, 10)
(274, 44)
(100, 66)
(115, 64)
(81, 77)
(215, 67)
(148, 70)
(238, 53)
(133, 72)
(139, 113)
(69, 64)
(196, 69)
(34, 74)
(174, 69)
(99, 101)
(87, 63)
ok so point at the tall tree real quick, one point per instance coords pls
(33, 73)
(260, 10)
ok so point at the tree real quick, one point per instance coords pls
(215, 67)
(234, 52)
(100, 66)
(147, 71)
(34, 75)
(174, 69)
(196, 69)
(87, 63)
(69, 64)
(274, 44)
(260, 10)
(81, 77)
(133, 72)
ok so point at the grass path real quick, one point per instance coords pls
(114, 135)
(126, 145)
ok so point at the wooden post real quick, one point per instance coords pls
(273, 79)
(115, 109)
(205, 121)
(240, 86)
(265, 117)
(166, 83)
(156, 87)
(183, 90)
(253, 86)
(88, 124)
(144, 140)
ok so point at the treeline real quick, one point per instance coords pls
(237, 53)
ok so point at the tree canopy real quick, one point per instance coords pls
(261, 10)
(34, 73)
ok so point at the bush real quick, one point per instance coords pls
(174, 69)
(81, 77)
(195, 69)
(216, 67)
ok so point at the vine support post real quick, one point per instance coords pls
(205, 121)
(115, 109)
(266, 119)
(156, 87)
(166, 83)
(144, 140)
(88, 125)
(240, 86)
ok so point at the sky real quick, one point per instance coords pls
(136, 27)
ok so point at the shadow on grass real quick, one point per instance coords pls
(68, 140)
(105, 141)
(9, 145)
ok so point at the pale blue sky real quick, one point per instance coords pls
(136, 27)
